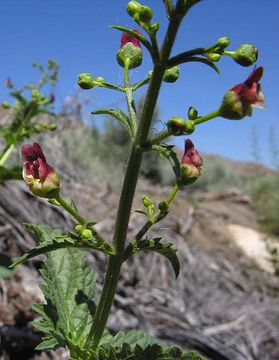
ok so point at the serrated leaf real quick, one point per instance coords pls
(49, 342)
(117, 114)
(168, 250)
(69, 290)
(167, 152)
(51, 240)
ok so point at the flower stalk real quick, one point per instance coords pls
(128, 188)
(6, 154)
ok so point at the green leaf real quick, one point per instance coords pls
(137, 345)
(11, 173)
(166, 152)
(51, 240)
(69, 290)
(117, 114)
(168, 250)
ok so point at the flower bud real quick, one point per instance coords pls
(100, 79)
(9, 83)
(154, 28)
(223, 42)
(86, 81)
(42, 180)
(5, 105)
(245, 55)
(145, 14)
(130, 51)
(239, 101)
(86, 234)
(52, 98)
(213, 57)
(176, 125)
(191, 164)
(133, 7)
(171, 75)
(192, 113)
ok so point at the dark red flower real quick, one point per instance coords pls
(239, 101)
(191, 163)
(127, 38)
(40, 177)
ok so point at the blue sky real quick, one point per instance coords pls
(76, 34)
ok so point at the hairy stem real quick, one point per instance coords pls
(6, 154)
(128, 189)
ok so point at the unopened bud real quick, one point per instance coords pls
(130, 51)
(133, 7)
(245, 55)
(86, 81)
(223, 42)
(9, 83)
(154, 28)
(192, 113)
(145, 14)
(86, 234)
(176, 125)
(171, 75)
(214, 57)
(5, 105)
(100, 79)
(191, 164)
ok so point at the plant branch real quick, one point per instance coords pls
(6, 154)
(128, 188)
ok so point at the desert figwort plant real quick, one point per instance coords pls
(29, 103)
(72, 316)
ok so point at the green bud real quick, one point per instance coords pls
(189, 127)
(171, 75)
(154, 28)
(147, 201)
(79, 229)
(86, 81)
(36, 95)
(131, 54)
(5, 105)
(176, 125)
(145, 14)
(192, 113)
(100, 79)
(245, 55)
(133, 7)
(86, 234)
(223, 42)
(213, 57)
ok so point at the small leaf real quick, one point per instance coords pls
(168, 250)
(117, 114)
(136, 35)
(167, 152)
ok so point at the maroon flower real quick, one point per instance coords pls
(127, 38)
(130, 53)
(40, 177)
(191, 163)
(9, 83)
(239, 101)
(52, 98)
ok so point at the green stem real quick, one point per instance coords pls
(128, 189)
(6, 153)
(207, 117)
(228, 53)
(158, 214)
(75, 214)
(130, 100)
